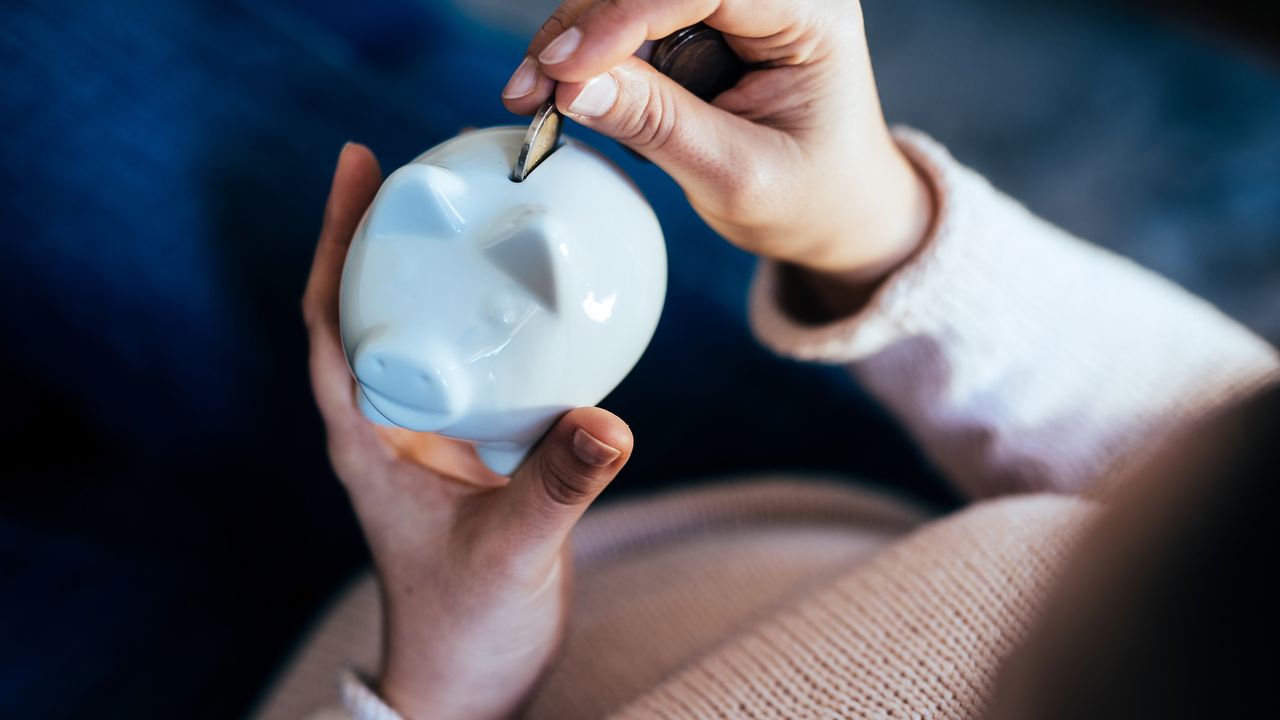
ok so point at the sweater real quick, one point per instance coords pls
(1035, 371)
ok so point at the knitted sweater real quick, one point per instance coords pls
(1031, 367)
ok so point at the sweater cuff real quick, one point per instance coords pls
(362, 702)
(894, 310)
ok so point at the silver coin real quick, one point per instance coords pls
(541, 140)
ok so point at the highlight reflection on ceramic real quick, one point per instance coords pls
(482, 309)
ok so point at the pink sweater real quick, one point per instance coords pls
(1033, 369)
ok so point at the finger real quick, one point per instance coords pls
(568, 469)
(453, 459)
(529, 87)
(717, 157)
(607, 32)
(355, 182)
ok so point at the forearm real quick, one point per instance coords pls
(1020, 357)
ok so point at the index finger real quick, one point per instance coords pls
(607, 32)
(528, 98)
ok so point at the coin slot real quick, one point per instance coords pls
(515, 178)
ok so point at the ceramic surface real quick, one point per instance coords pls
(482, 309)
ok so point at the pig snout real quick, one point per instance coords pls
(420, 391)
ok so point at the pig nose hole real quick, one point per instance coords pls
(379, 363)
(424, 379)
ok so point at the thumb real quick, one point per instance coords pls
(714, 155)
(568, 469)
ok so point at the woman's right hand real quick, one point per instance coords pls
(795, 163)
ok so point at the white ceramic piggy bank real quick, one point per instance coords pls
(482, 309)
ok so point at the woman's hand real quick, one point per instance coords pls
(474, 568)
(795, 163)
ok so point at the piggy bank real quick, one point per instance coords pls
(482, 309)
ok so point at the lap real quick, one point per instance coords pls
(666, 577)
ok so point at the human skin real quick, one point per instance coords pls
(795, 163)
(473, 567)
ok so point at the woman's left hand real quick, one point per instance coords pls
(473, 567)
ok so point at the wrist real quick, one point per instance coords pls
(417, 700)
(873, 245)
(417, 678)
(480, 666)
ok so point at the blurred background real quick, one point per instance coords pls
(168, 522)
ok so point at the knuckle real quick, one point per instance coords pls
(308, 311)
(314, 314)
(652, 124)
(559, 21)
(563, 485)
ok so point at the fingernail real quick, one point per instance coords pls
(562, 47)
(522, 80)
(591, 451)
(597, 97)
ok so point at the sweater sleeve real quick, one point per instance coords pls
(1020, 357)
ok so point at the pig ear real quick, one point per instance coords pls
(530, 246)
(418, 199)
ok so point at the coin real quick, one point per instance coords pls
(697, 57)
(700, 59)
(541, 140)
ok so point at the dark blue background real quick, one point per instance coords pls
(168, 523)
